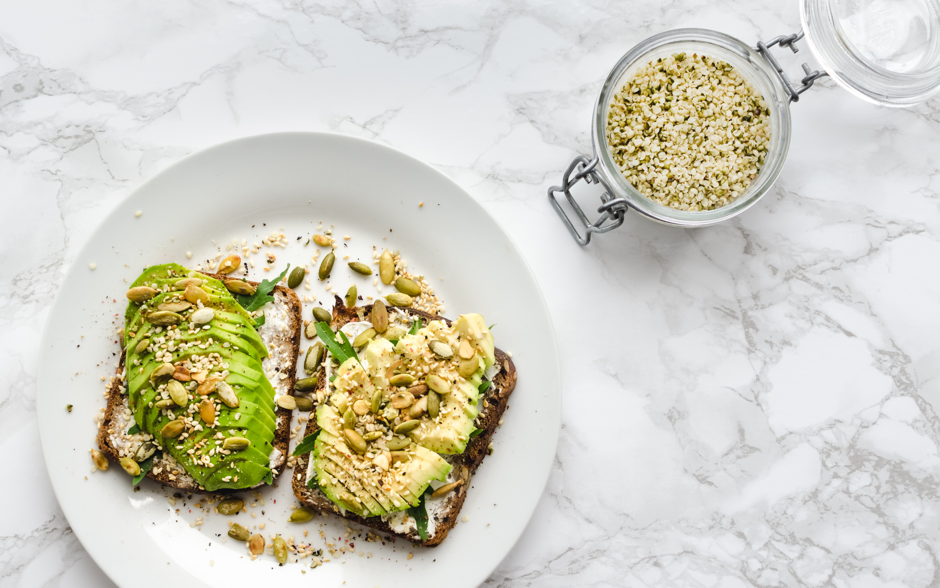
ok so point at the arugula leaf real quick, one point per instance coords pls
(491, 326)
(341, 351)
(133, 430)
(306, 445)
(420, 514)
(269, 479)
(259, 321)
(394, 342)
(475, 432)
(485, 386)
(312, 483)
(415, 326)
(262, 295)
(145, 467)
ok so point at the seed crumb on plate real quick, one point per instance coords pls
(138, 213)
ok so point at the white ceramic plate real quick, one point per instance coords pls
(293, 181)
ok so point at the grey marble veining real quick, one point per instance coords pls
(752, 404)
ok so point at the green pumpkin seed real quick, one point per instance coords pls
(409, 287)
(177, 306)
(296, 277)
(172, 429)
(360, 268)
(229, 264)
(386, 267)
(226, 394)
(306, 384)
(377, 398)
(441, 349)
(162, 373)
(303, 404)
(445, 489)
(394, 333)
(355, 440)
(313, 358)
(256, 544)
(236, 444)
(468, 367)
(141, 294)
(363, 338)
(379, 317)
(240, 287)
(310, 331)
(164, 403)
(321, 240)
(130, 466)
(239, 533)
(182, 284)
(351, 296)
(349, 418)
(231, 506)
(302, 514)
(322, 315)
(145, 450)
(372, 435)
(164, 318)
(286, 401)
(438, 384)
(177, 392)
(326, 266)
(399, 299)
(401, 380)
(101, 461)
(407, 427)
(434, 404)
(397, 443)
(142, 346)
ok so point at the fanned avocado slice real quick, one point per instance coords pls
(333, 487)
(326, 453)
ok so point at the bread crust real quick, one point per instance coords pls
(495, 401)
(281, 442)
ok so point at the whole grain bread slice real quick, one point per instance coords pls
(283, 352)
(493, 405)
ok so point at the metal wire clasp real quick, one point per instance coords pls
(612, 209)
(790, 42)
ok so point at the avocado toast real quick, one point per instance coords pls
(406, 405)
(195, 408)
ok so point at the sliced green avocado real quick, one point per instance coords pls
(332, 486)
(451, 432)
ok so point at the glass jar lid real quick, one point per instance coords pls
(884, 51)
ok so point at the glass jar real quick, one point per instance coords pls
(885, 51)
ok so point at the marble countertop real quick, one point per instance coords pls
(752, 404)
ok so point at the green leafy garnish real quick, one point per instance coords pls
(420, 514)
(262, 295)
(394, 342)
(145, 466)
(415, 326)
(133, 430)
(341, 351)
(491, 326)
(306, 445)
(269, 479)
(259, 321)
(475, 432)
(484, 386)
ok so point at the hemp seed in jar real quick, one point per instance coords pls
(689, 132)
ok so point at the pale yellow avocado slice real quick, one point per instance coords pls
(473, 327)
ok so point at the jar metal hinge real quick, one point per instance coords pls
(789, 41)
(612, 210)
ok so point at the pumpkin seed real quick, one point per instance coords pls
(322, 315)
(256, 544)
(130, 466)
(466, 350)
(303, 404)
(407, 427)
(302, 514)
(418, 390)
(286, 401)
(386, 267)
(240, 287)
(306, 384)
(377, 398)
(161, 374)
(399, 299)
(372, 435)
(310, 331)
(195, 294)
(164, 403)
(434, 404)
(182, 374)
(229, 264)
(351, 296)
(363, 338)
(468, 367)
(321, 240)
(397, 456)
(177, 392)
(230, 506)
(355, 440)
(360, 268)
(172, 429)
(207, 411)
(438, 384)
(445, 489)
(394, 333)
(144, 452)
(326, 266)
(239, 533)
(313, 358)
(181, 284)
(379, 317)
(401, 380)
(402, 400)
(396, 443)
(208, 385)
(140, 294)
(349, 418)
(361, 407)
(441, 349)
(101, 461)
(175, 306)
(296, 277)
(164, 318)
(236, 444)
(202, 316)
(418, 408)
(409, 287)
(226, 394)
(142, 346)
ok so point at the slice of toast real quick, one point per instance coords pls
(281, 335)
(446, 510)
